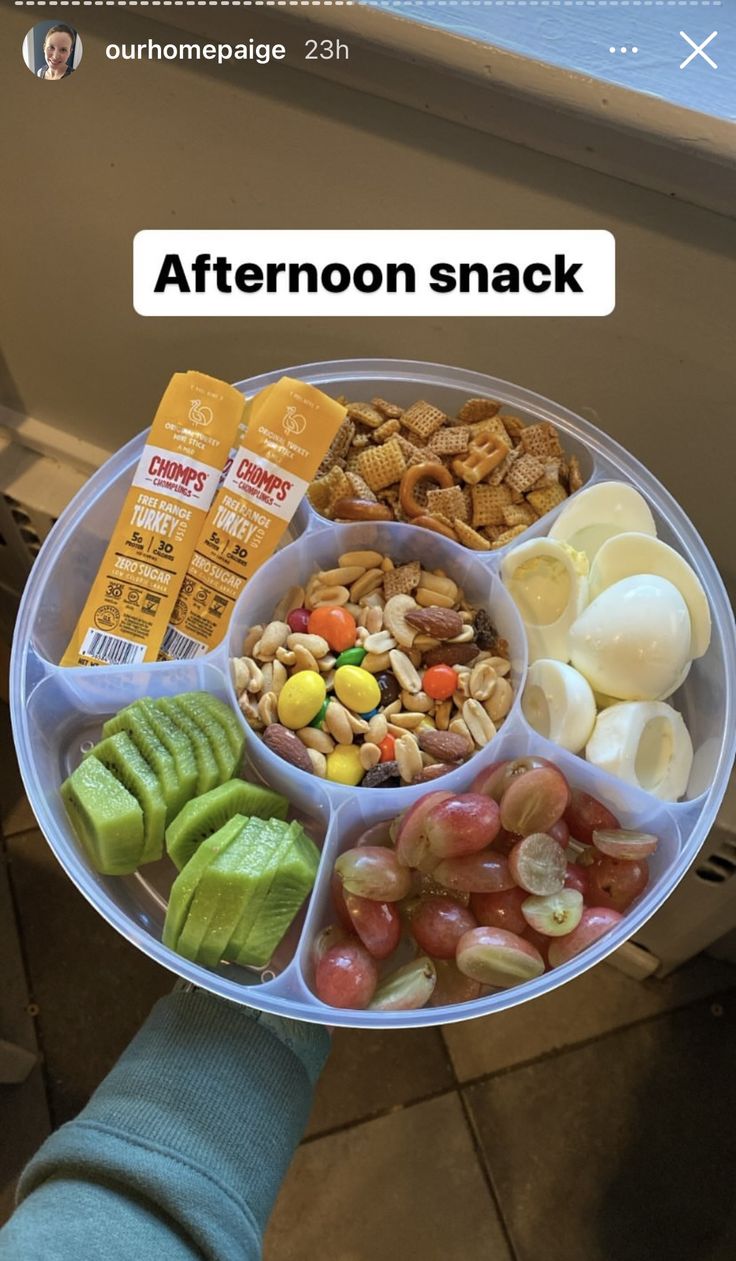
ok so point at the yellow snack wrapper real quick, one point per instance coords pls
(290, 427)
(133, 596)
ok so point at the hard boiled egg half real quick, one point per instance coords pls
(599, 512)
(629, 554)
(559, 704)
(633, 641)
(548, 582)
(645, 743)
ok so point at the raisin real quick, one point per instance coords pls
(485, 632)
(380, 776)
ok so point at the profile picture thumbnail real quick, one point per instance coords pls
(52, 50)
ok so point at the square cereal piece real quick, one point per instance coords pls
(478, 409)
(525, 472)
(508, 536)
(470, 538)
(519, 514)
(360, 441)
(552, 470)
(448, 441)
(382, 466)
(492, 532)
(489, 503)
(391, 411)
(338, 448)
(351, 464)
(449, 502)
(500, 474)
(318, 494)
(386, 430)
(575, 477)
(545, 500)
(402, 581)
(413, 454)
(495, 426)
(360, 488)
(366, 414)
(514, 427)
(541, 440)
(422, 419)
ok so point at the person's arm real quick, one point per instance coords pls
(181, 1151)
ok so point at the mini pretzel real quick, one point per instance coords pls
(431, 523)
(484, 454)
(361, 510)
(428, 472)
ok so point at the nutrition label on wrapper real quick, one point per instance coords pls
(141, 573)
(291, 426)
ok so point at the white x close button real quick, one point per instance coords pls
(698, 50)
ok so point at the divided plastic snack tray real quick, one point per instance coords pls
(58, 712)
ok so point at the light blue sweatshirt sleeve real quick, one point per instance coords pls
(181, 1151)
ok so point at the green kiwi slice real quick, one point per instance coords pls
(227, 887)
(105, 816)
(123, 760)
(135, 722)
(208, 773)
(203, 815)
(227, 719)
(268, 917)
(187, 882)
(194, 705)
(174, 740)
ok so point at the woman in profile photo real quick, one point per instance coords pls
(57, 50)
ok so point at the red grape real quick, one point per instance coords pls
(595, 921)
(495, 779)
(332, 935)
(554, 915)
(539, 941)
(378, 834)
(452, 985)
(534, 801)
(538, 864)
(576, 877)
(373, 872)
(615, 884)
(495, 957)
(407, 988)
(484, 872)
(411, 841)
(438, 924)
(378, 924)
(624, 844)
(338, 901)
(346, 976)
(559, 832)
(462, 825)
(500, 910)
(585, 814)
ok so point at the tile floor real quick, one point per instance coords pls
(596, 1124)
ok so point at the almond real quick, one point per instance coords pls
(285, 744)
(446, 746)
(435, 621)
(433, 772)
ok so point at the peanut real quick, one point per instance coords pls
(377, 729)
(382, 641)
(322, 596)
(368, 582)
(344, 576)
(500, 665)
(367, 560)
(404, 671)
(370, 755)
(426, 598)
(375, 662)
(499, 703)
(417, 703)
(442, 715)
(313, 738)
(408, 757)
(406, 720)
(294, 599)
(303, 660)
(483, 680)
(274, 637)
(285, 656)
(319, 762)
(337, 722)
(478, 723)
(315, 644)
(251, 639)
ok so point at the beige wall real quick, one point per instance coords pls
(123, 147)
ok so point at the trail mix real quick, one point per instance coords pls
(479, 478)
(375, 674)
